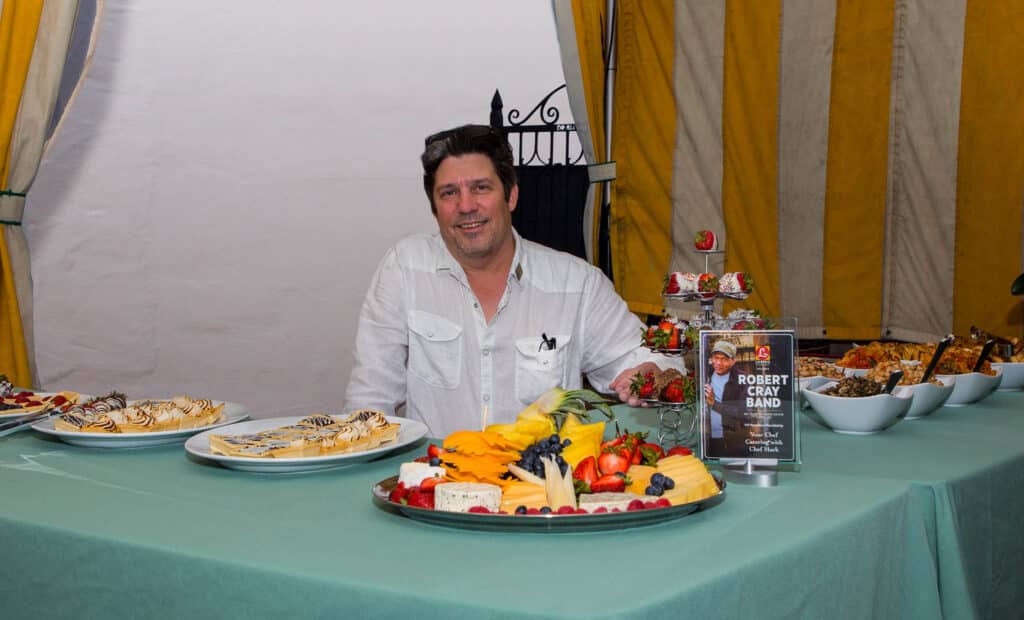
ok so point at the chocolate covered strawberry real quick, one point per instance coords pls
(705, 241)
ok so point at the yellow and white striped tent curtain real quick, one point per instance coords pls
(860, 158)
(34, 40)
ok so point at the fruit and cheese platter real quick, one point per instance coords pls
(550, 470)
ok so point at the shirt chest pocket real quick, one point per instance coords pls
(435, 349)
(539, 369)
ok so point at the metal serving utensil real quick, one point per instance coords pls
(986, 349)
(939, 350)
(13, 426)
(894, 378)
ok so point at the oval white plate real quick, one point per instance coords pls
(233, 412)
(199, 445)
(18, 412)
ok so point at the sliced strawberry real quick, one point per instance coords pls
(609, 483)
(611, 462)
(679, 450)
(434, 450)
(427, 484)
(586, 470)
(420, 500)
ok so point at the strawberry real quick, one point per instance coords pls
(609, 483)
(744, 280)
(427, 484)
(705, 240)
(420, 499)
(586, 470)
(434, 450)
(650, 453)
(642, 385)
(671, 285)
(679, 450)
(707, 283)
(58, 400)
(679, 390)
(613, 461)
(398, 493)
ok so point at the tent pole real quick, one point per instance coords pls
(609, 99)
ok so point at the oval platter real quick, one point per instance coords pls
(546, 522)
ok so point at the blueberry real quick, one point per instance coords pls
(554, 440)
(654, 490)
(566, 442)
(658, 479)
(563, 467)
(669, 483)
(434, 461)
(545, 510)
(520, 510)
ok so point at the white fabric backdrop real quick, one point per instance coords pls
(210, 213)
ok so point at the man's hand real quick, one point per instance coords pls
(709, 394)
(622, 382)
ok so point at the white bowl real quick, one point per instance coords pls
(809, 383)
(853, 372)
(928, 397)
(1013, 375)
(860, 416)
(971, 387)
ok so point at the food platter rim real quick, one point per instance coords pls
(552, 522)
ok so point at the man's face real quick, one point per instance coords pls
(722, 363)
(473, 216)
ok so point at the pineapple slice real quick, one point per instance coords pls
(641, 477)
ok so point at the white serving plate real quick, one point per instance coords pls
(971, 387)
(928, 397)
(232, 413)
(8, 415)
(199, 445)
(1013, 375)
(859, 416)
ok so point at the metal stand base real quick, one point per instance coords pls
(748, 473)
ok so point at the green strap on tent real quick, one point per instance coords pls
(11, 222)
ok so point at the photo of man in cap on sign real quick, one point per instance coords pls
(724, 397)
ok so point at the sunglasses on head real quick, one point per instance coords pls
(469, 132)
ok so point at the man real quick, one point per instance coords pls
(468, 326)
(725, 399)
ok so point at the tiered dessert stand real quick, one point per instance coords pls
(678, 423)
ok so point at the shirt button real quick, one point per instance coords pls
(487, 398)
(486, 352)
(476, 305)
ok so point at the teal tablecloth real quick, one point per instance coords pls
(918, 522)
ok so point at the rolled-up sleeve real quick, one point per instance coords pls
(613, 336)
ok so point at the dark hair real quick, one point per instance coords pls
(464, 140)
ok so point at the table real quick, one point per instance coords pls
(920, 521)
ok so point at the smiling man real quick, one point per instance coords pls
(470, 325)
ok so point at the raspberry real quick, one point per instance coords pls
(663, 503)
(600, 509)
(566, 510)
(649, 505)
(533, 511)
(480, 509)
(636, 504)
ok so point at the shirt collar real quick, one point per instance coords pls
(444, 261)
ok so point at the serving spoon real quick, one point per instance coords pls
(894, 378)
(985, 350)
(939, 350)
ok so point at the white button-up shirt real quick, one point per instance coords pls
(423, 339)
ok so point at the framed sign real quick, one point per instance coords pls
(749, 396)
